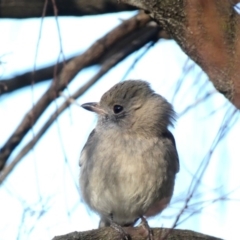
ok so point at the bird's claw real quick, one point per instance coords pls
(120, 230)
(146, 227)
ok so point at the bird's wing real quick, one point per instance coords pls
(83, 156)
(169, 136)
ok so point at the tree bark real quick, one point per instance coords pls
(34, 8)
(208, 32)
(136, 233)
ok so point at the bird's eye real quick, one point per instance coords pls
(117, 109)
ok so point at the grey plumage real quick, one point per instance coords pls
(129, 162)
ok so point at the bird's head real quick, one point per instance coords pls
(132, 106)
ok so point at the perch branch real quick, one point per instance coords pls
(136, 234)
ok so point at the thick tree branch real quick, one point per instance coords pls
(96, 52)
(208, 32)
(34, 8)
(136, 234)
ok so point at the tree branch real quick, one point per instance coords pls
(34, 8)
(47, 73)
(136, 234)
(26, 79)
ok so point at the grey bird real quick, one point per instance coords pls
(129, 162)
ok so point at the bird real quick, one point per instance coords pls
(129, 163)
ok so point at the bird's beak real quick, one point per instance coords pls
(93, 107)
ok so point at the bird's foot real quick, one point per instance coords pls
(120, 230)
(146, 227)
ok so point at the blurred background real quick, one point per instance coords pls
(40, 196)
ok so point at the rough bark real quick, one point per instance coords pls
(34, 8)
(208, 31)
(136, 234)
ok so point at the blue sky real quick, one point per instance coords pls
(47, 178)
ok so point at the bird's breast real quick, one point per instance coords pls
(126, 174)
